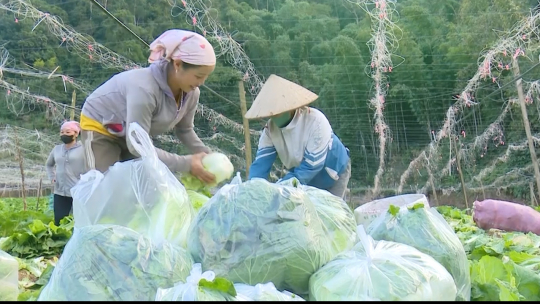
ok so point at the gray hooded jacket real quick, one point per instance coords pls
(64, 167)
(143, 96)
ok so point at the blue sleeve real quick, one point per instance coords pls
(266, 155)
(311, 165)
(263, 162)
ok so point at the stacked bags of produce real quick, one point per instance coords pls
(259, 232)
(426, 230)
(382, 271)
(205, 286)
(115, 263)
(141, 194)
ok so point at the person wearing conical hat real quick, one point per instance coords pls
(300, 135)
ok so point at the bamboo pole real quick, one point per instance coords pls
(243, 108)
(521, 96)
(458, 161)
(73, 100)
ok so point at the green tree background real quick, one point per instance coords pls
(320, 44)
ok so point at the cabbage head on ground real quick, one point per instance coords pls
(382, 271)
(9, 277)
(258, 232)
(115, 263)
(426, 230)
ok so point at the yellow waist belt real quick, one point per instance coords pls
(89, 124)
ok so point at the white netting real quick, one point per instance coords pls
(33, 146)
(197, 13)
(382, 44)
(490, 67)
(91, 50)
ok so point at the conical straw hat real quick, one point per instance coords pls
(279, 95)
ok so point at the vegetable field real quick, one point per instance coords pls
(503, 266)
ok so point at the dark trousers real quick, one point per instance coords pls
(62, 207)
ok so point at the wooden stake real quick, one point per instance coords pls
(247, 135)
(458, 160)
(19, 157)
(73, 100)
(432, 185)
(39, 194)
(521, 96)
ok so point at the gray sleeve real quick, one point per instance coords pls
(49, 165)
(140, 108)
(185, 132)
(175, 163)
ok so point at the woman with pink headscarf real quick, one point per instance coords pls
(64, 168)
(159, 98)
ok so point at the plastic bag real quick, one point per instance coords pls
(426, 230)
(337, 217)
(9, 277)
(368, 212)
(197, 199)
(383, 271)
(264, 292)
(258, 232)
(141, 194)
(506, 216)
(114, 263)
(191, 290)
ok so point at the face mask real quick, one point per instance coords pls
(67, 139)
(282, 119)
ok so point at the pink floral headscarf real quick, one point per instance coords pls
(71, 125)
(187, 46)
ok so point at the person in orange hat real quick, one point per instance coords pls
(301, 136)
(64, 166)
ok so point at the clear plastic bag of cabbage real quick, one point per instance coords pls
(426, 230)
(264, 292)
(337, 217)
(382, 271)
(9, 277)
(141, 194)
(197, 199)
(258, 232)
(115, 263)
(199, 286)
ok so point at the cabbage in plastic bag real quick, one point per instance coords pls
(9, 277)
(426, 230)
(258, 232)
(382, 271)
(114, 263)
(197, 199)
(337, 217)
(199, 286)
(141, 194)
(264, 292)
